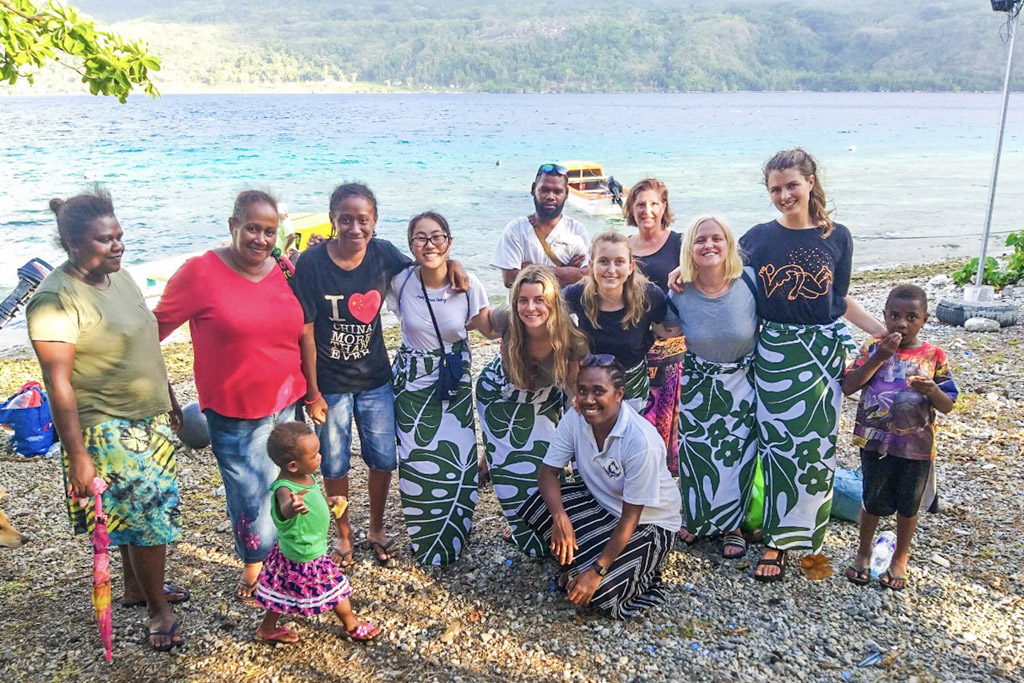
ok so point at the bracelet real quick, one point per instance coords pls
(315, 399)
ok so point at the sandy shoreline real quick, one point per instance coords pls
(493, 617)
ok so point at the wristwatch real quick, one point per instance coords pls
(601, 571)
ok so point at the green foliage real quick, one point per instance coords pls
(993, 273)
(1015, 264)
(30, 37)
(598, 46)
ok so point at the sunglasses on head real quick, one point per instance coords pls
(551, 169)
(599, 360)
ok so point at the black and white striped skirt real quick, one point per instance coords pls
(633, 582)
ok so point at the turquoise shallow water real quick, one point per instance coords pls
(920, 169)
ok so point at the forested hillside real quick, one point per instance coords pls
(601, 45)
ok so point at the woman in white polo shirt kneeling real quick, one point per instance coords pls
(611, 531)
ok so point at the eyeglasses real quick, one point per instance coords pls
(552, 169)
(599, 360)
(436, 240)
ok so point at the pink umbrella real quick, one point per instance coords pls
(101, 570)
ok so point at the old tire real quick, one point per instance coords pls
(957, 311)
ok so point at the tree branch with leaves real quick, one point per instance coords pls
(31, 36)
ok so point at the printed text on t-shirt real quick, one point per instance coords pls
(350, 341)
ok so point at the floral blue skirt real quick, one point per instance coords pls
(136, 459)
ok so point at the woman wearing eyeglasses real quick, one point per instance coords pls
(521, 393)
(437, 459)
(611, 532)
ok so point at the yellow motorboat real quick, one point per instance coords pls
(307, 224)
(590, 190)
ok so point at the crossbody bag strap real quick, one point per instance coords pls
(544, 244)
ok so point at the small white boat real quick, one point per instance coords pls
(591, 191)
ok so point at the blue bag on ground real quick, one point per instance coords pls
(28, 414)
(847, 494)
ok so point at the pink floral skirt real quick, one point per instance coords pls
(306, 588)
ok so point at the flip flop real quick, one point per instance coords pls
(853, 574)
(364, 632)
(346, 558)
(734, 540)
(249, 589)
(887, 578)
(282, 636)
(779, 561)
(169, 589)
(170, 633)
(382, 549)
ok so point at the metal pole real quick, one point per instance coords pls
(999, 145)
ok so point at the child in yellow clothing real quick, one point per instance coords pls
(298, 576)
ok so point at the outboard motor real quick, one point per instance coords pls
(29, 277)
(615, 187)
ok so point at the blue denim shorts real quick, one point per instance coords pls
(240, 447)
(374, 411)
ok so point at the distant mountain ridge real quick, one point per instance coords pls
(529, 46)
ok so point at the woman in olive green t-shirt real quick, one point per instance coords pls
(98, 348)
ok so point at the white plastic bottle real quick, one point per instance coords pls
(881, 555)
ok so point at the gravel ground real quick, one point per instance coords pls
(494, 616)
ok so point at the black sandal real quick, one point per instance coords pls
(734, 540)
(779, 561)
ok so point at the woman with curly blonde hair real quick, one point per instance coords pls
(521, 394)
(619, 310)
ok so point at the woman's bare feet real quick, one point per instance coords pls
(686, 537)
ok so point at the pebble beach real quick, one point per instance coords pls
(495, 614)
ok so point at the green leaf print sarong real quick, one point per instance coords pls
(717, 443)
(517, 428)
(797, 372)
(437, 461)
(638, 386)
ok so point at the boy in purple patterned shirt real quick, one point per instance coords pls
(902, 381)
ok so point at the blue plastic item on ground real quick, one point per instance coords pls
(28, 413)
(847, 494)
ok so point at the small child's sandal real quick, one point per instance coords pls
(364, 632)
(281, 636)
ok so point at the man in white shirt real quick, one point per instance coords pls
(545, 237)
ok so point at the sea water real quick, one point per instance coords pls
(908, 173)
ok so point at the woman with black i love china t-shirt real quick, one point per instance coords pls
(342, 284)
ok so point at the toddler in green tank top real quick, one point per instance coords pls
(298, 576)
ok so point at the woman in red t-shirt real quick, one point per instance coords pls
(246, 324)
